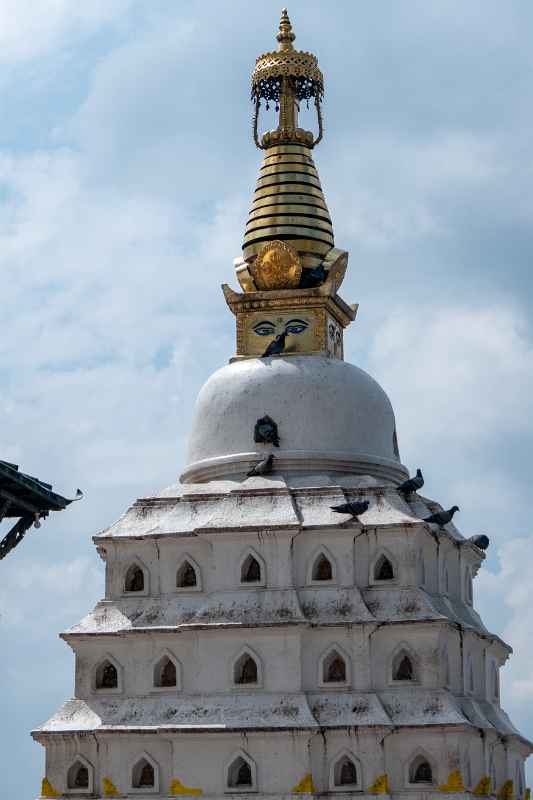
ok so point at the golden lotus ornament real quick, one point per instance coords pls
(277, 266)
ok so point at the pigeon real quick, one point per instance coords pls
(276, 346)
(480, 541)
(262, 467)
(442, 517)
(413, 484)
(312, 277)
(355, 508)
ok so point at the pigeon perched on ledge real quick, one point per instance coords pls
(480, 541)
(354, 508)
(276, 346)
(442, 517)
(263, 467)
(412, 484)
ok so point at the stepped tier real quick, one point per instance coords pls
(305, 711)
(335, 606)
(277, 501)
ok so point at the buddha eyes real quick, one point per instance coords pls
(296, 326)
(264, 329)
(292, 326)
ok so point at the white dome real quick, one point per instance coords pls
(331, 417)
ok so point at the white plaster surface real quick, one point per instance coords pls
(292, 721)
(324, 409)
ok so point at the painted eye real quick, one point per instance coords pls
(296, 327)
(264, 330)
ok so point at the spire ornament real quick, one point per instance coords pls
(284, 78)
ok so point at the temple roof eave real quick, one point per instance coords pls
(261, 712)
(285, 506)
(309, 607)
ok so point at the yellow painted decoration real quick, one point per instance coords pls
(47, 790)
(305, 786)
(177, 788)
(506, 791)
(454, 783)
(110, 790)
(483, 787)
(380, 786)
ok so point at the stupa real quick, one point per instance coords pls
(252, 640)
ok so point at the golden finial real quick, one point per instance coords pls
(284, 78)
(285, 36)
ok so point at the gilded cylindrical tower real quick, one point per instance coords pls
(289, 221)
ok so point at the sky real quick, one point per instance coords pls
(126, 173)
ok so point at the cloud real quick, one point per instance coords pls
(65, 589)
(397, 189)
(459, 373)
(31, 28)
(506, 589)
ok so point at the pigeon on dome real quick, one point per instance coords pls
(354, 508)
(441, 517)
(263, 467)
(276, 346)
(412, 484)
(480, 540)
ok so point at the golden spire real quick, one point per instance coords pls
(289, 229)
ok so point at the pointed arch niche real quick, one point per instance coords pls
(383, 569)
(80, 776)
(252, 569)
(404, 666)
(136, 578)
(420, 770)
(107, 677)
(322, 568)
(246, 670)
(345, 773)
(334, 668)
(188, 575)
(166, 671)
(145, 775)
(241, 773)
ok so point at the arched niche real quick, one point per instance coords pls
(107, 677)
(346, 773)
(252, 571)
(241, 773)
(404, 665)
(80, 776)
(135, 578)
(246, 669)
(383, 569)
(322, 568)
(188, 575)
(145, 775)
(334, 668)
(421, 770)
(166, 673)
